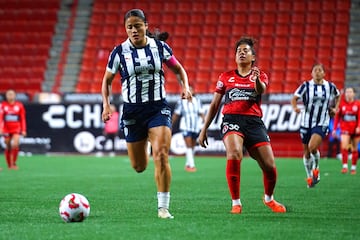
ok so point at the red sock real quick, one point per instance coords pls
(269, 178)
(8, 157)
(15, 152)
(345, 155)
(354, 158)
(233, 178)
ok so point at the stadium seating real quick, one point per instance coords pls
(25, 39)
(292, 36)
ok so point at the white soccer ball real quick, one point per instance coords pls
(74, 207)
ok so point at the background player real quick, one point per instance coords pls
(146, 116)
(348, 116)
(192, 115)
(242, 124)
(12, 126)
(317, 95)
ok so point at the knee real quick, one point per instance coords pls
(234, 154)
(138, 168)
(161, 154)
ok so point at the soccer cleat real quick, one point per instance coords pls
(344, 170)
(310, 183)
(353, 172)
(164, 213)
(316, 176)
(275, 206)
(236, 209)
(190, 169)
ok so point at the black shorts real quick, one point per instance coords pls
(137, 119)
(251, 128)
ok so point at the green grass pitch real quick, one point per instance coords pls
(123, 203)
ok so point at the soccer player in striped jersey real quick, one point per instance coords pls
(242, 125)
(348, 116)
(192, 115)
(146, 115)
(317, 95)
(12, 126)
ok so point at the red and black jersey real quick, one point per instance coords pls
(12, 117)
(240, 95)
(348, 116)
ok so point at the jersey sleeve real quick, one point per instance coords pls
(167, 51)
(114, 60)
(299, 92)
(264, 78)
(220, 85)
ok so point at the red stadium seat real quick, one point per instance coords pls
(210, 18)
(299, 6)
(313, 17)
(284, 6)
(343, 5)
(269, 6)
(283, 17)
(297, 29)
(312, 29)
(282, 30)
(277, 76)
(292, 76)
(298, 17)
(294, 64)
(340, 29)
(325, 42)
(326, 30)
(295, 52)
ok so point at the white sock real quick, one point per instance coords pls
(345, 166)
(315, 158)
(353, 167)
(308, 166)
(163, 199)
(190, 157)
(236, 202)
(268, 198)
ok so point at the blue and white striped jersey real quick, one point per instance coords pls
(190, 112)
(316, 99)
(142, 75)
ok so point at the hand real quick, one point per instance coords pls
(23, 133)
(357, 130)
(186, 94)
(333, 133)
(297, 110)
(203, 138)
(332, 112)
(106, 114)
(255, 72)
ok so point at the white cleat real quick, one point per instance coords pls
(164, 213)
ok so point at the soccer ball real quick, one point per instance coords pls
(74, 207)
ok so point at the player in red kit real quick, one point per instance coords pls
(242, 125)
(12, 126)
(348, 116)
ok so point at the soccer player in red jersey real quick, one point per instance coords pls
(242, 125)
(12, 126)
(348, 116)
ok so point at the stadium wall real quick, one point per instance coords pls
(75, 126)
